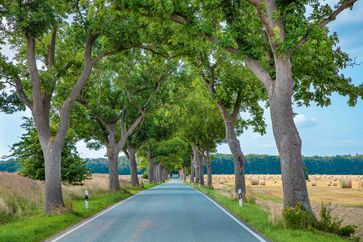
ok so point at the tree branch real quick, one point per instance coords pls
(346, 4)
(178, 19)
(263, 18)
(51, 50)
(94, 112)
(237, 105)
(125, 135)
(65, 109)
(34, 74)
(20, 91)
(103, 55)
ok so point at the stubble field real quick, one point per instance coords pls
(346, 203)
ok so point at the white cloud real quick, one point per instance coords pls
(303, 121)
(88, 153)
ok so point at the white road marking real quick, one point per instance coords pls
(123, 201)
(93, 218)
(235, 219)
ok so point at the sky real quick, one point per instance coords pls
(333, 130)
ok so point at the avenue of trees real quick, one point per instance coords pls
(220, 164)
(166, 81)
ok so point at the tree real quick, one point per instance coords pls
(291, 53)
(199, 122)
(38, 30)
(231, 87)
(115, 101)
(281, 57)
(29, 154)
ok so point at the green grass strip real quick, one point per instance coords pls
(39, 227)
(258, 218)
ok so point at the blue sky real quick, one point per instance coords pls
(337, 129)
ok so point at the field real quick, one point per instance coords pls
(20, 196)
(346, 203)
(21, 205)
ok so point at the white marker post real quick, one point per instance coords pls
(240, 197)
(85, 199)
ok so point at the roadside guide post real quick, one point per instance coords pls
(85, 199)
(240, 197)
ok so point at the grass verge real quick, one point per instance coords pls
(39, 227)
(258, 218)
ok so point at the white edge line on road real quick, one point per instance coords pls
(96, 216)
(235, 219)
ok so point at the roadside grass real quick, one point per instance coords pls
(40, 227)
(258, 218)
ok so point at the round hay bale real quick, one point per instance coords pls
(262, 182)
(313, 183)
(275, 181)
(329, 183)
(254, 180)
(360, 184)
(335, 184)
(346, 183)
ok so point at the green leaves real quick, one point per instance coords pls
(29, 153)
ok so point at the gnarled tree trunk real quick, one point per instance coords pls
(133, 166)
(192, 171)
(287, 137)
(184, 173)
(113, 181)
(53, 177)
(200, 165)
(196, 164)
(150, 169)
(209, 169)
(112, 155)
(234, 146)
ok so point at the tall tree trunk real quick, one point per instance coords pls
(133, 166)
(184, 173)
(209, 169)
(112, 155)
(150, 167)
(192, 172)
(201, 173)
(113, 181)
(157, 172)
(287, 137)
(196, 164)
(53, 178)
(163, 172)
(238, 157)
(197, 173)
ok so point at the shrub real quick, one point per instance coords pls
(331, 224)
(30, 155)
(298, 217)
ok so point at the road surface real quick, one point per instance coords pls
(166, 213)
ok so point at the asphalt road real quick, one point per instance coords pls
(166, 213)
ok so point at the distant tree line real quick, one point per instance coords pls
(269, 164)
(223, 164)
(100, 165)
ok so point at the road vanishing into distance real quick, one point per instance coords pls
(166, 213)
